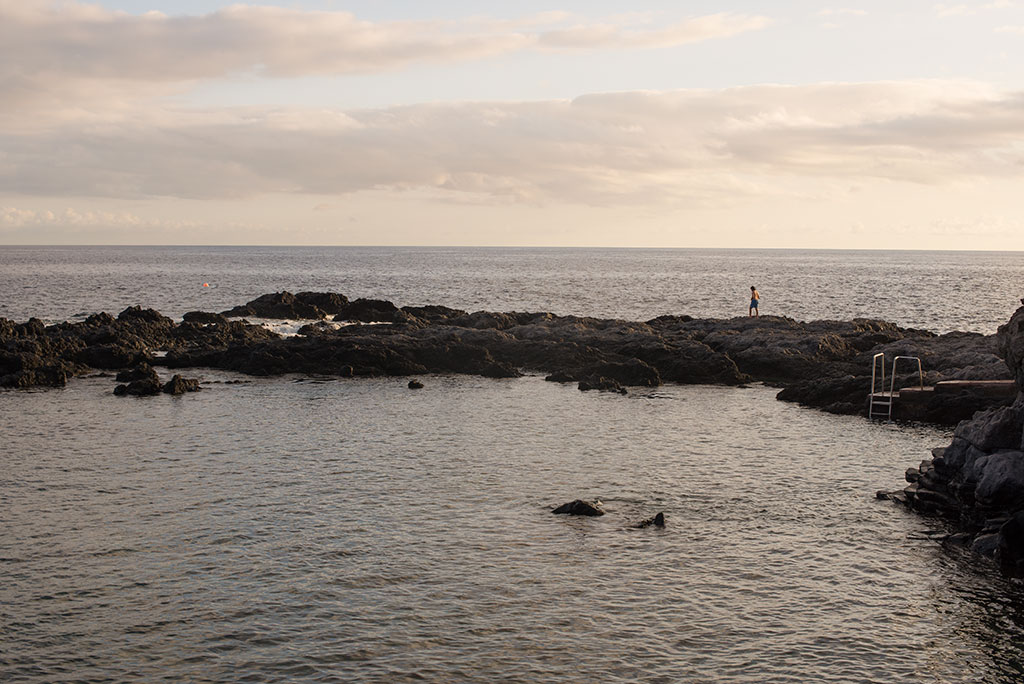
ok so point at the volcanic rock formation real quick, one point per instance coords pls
(825, 364)
(978, 480)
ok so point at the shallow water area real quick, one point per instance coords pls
(310, 529)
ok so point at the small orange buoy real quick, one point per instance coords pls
(206, 284)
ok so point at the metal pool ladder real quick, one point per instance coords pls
(880, 402)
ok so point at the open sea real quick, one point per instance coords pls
(309, 529)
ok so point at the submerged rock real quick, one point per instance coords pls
(415, 384)
(657, 521)
(580, 507)
(601, 383)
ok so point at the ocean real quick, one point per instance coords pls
(350, 530)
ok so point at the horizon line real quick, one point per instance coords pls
(457, 246)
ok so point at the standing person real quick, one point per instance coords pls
(755, 297)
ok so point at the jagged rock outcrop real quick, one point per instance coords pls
(978, 480)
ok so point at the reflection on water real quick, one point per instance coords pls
(296, 529)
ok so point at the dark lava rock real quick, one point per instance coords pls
(140, 315)
(140, 388)
(109, 356)
(368, 311)
(331, 303)
(1009, 551)
(978, 480)
(433, 314)
(656, 521)
(142, 371)
(204, 318)
(415, 384)
(41, 376)
(580, 507)
(632, 372)
(561, 376)
(602, 384)
(821, 363)
(179, 385)
(277, 305)
(1010, 343)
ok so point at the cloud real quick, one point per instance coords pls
(13, 217)
(694, 147)
(611, 36)
(48, 44)
(842, 11)
(943, 11)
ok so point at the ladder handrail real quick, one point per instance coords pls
(890, 399)
(920, 373)
(874, 363)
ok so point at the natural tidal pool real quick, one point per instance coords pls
(304, 529)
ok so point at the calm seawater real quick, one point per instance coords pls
(310, 529)
(939, 291)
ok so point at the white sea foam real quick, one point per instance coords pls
(291, 328)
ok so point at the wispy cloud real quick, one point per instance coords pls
(611, 36)
(13, 217)
(707, 147)
(959, 10)
(43, 39)
(842, 12)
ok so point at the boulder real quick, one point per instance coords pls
(999, 428)
(179, 385)
(277, 305)
(142, 371)
(140, 388)
(580, 507)
(204, 318)
(1010, 343)
(1001, 484)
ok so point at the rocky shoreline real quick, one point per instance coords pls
(822, 364)
(977, 481)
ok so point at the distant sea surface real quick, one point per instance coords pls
(308, 529)
(938, 291)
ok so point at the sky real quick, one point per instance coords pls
(860, 125)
